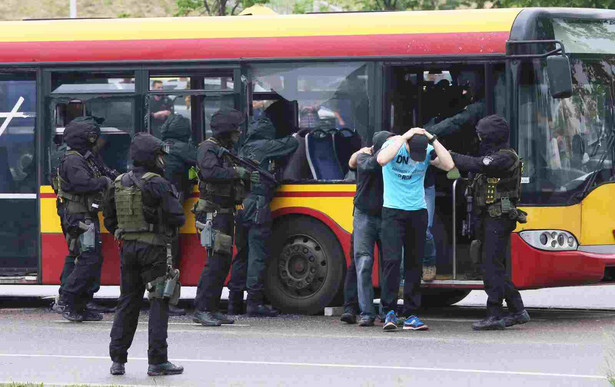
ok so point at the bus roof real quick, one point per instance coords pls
(271, 36)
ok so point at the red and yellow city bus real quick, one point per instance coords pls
(347, 76)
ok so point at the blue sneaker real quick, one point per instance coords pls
(390, 323)
(415, 324)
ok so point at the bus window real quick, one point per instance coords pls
(78, 83)
(330, 101)
(18, 183)
(116, 129)
(563, 142)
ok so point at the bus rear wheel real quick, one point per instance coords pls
(306, 270)
(442, 297)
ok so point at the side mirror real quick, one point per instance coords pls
(560, 80)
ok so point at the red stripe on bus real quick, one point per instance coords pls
(314, 194)
(277, 47)
(47, 196)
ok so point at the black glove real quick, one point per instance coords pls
(255, 177)
(242, 173)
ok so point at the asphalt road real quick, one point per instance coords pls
(559, 347)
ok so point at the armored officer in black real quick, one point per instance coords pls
(254, 219)
(81, 185)
(143, 212)
(222, 188)
(93, 157)
(495, 178)
(180, 156)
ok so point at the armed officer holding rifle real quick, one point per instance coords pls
(495, 187)
(222, 186)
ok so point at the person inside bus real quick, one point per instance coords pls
(472, 106)
(253, 228)
(81, 184)
(496, 180)
(179, 158)
(160, 108)
(367, 222)
(404, 160)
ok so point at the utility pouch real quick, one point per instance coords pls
(93, 203)
(87, 239)
(518, 215)
(171, 289)
(223, 244)
(475, 251)
(203, 205)
(494, 210)
(506, 205)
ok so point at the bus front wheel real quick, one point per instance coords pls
(306, 270)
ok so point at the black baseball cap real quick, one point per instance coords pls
(418, 147)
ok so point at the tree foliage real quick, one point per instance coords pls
(214, 7)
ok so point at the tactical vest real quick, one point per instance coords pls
(131, 221)
(225, 193)
(499, 195)
(77, 203)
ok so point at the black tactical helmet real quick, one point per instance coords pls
(176, 127)
(147, 150)
(226, 121)
(82, 132)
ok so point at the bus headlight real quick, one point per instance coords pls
(550, 240)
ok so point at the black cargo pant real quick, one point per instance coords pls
(84, 280)
(249, 264)
(351, 295)
(69, 260)
(407, 229)
(495, 236)
(216, 268)
(140, 264)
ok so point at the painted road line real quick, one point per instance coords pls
(328, 365)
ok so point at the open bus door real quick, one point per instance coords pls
(19, 223)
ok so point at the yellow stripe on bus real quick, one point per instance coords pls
(417, 22)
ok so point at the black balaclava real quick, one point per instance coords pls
(494, 134)
(147, 151)
(82, 133)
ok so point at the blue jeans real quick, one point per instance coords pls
(366, 235)
(430, 244)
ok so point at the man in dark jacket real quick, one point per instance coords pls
(222, 188)
(367, 220)
(254, 220)
(143, 212)
(496, 185)
(180, 156)
(81, 185)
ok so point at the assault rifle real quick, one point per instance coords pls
(249, 165)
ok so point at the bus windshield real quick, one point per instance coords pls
(566, 143)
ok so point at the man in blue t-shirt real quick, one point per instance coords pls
(404, 160)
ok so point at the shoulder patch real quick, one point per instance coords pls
(487, 160)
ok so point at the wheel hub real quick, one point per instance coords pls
(302, 266)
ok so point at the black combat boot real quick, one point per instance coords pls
(516, 318)
(89, 315)
(224, 319)
(72, 315)
(94, 307)
(206, 318)
(260, 310)
(491, 323)
(117, 368)
(167, 368)
(176, 311)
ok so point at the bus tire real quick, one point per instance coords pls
(442, 297)
(306, 268)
